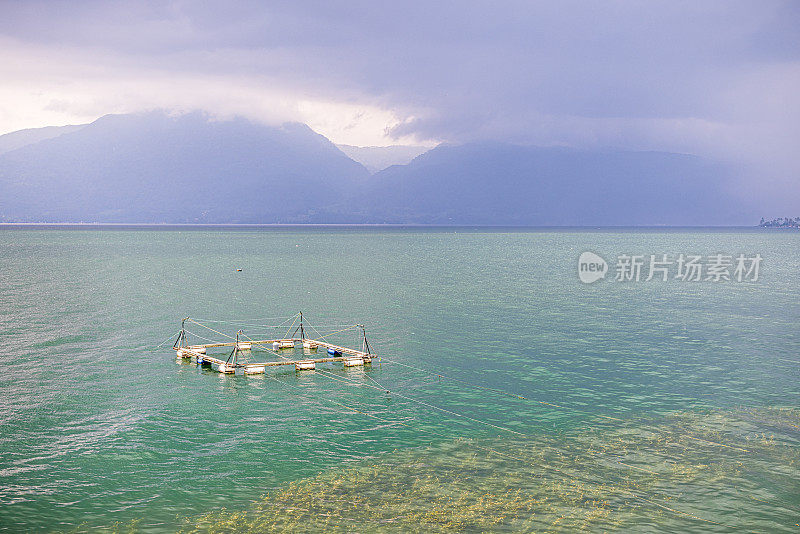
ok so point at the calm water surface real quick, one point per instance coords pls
(98, 425)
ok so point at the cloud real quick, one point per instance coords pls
(715, 78)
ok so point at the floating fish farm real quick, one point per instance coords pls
(249, 356)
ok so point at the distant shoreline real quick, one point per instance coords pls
(366, 226)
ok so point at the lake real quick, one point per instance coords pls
(648, 405)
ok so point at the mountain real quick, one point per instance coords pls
(14, 140)
(496, 183)
(377, 158)
(153, 167)
(157, 168)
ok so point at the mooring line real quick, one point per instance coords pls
(201, 337)
(576, 410)
(619, 489)
(500, 391)
(337, 332)
(208, 328)
(265, 349)
(412, 399)
(366, 375)
(596, 455)
(170, 338)
(432, 432)
(315, 330)
(296, 316)
(241, 323)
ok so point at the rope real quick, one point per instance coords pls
(208, 328)
(456, 379)
(242, 323)
(292, 318)
(297, 316)
(576, 410)
(504, 455)
(201, 337)
(495, 390)
(381, 388)
(500, 391)
(170, 338)
(332, 333)
(464, 382)
(376, 382)
(315, 330)
(281, 325)
(265, 349)
(412, 399)
(594, 454)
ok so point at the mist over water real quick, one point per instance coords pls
(98, 425)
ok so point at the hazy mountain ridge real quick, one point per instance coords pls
(377, 158)
(14, 140)
(498, 183)
(156, 168)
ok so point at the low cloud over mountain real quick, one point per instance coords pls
(154, 168)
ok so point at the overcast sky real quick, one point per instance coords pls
(718, 79)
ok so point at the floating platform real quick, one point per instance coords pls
(336, 353)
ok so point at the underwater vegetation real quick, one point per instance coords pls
(699, 471)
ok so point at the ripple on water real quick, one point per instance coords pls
(719, 471)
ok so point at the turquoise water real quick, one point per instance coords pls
(99, 426)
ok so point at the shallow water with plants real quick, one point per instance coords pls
(646, 406)
(655, 473)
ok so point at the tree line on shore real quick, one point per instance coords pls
(780, 222)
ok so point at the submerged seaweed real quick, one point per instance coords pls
(714, 471)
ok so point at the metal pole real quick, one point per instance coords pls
(302, 332)
(182, 340)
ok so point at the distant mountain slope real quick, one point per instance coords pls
(377, 158)
(155, 168)
(495, 183)
(14, 140)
